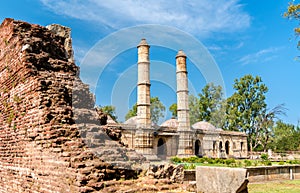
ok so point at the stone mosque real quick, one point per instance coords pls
(175, 137)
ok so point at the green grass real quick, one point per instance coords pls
(289, 186)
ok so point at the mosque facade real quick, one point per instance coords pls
(175, 137)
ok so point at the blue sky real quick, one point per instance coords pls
(242, 37)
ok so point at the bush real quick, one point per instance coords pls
(247, 163)
(255, 163)
(219, 161)
(267, 163)
(293, 161)
(229, 161)
(189, 166)
(176, 159)
(281, 163)
(193, 159)
(264, 156)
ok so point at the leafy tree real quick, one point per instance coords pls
(194, 109)
(209, 106)
(246, 105)
(218, 117)
(265, 126)
(157, 110)
(293, 12)
(209, 101)
(109, 110)
(132, 112)
(285, 137)
(173, 110)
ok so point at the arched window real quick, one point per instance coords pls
(161, 148)
(198, 150)
(227, 146)
(214, 145)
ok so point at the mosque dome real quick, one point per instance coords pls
(203, 125)
(170, 123)
(131, 121)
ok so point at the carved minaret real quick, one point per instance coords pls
(143, 87)
(185, 143)
(144, 134)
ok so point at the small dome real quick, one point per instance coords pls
(180, 54)
(170, 123)
(143, 42)
(131, 121)
(203, 125)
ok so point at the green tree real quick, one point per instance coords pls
(173, 110)
(209, 101)
(209, 106)
(246, 105)
(132, 112)
(285, 137)
(157, 110)
(194, 109)
(293, 12)
(218, 117)
(265, 126)
(109, 110)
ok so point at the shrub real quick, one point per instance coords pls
(255, 163)
(247, 163)
(193, 159)
(229, 161)
(264, 156)
(189, 166)
(293, 161)
(267, 163)
(211, 161)
(281, 163)
(239, 164)
(176, 159)
(219, 161)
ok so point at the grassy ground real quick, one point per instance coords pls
(289, 186)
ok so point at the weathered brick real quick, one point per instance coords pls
(42, 148)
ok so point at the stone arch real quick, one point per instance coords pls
(198, 148)
(220, 146)
(227, 147)
(161, 148)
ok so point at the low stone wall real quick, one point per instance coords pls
(268, 173)
(261, 173)
(221, 179)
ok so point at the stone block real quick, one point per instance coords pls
(221, 180)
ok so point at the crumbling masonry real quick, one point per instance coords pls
(44, 145)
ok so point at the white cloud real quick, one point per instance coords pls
(197, 17)
(260, 56)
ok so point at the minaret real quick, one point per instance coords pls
(185, 143)
(144, 133)
(143, 87)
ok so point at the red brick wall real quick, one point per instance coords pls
(41, 147)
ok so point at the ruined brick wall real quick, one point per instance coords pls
(44, 145)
